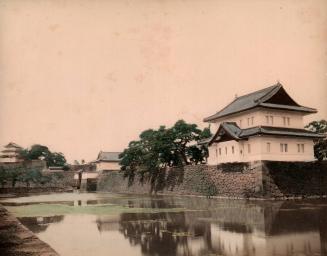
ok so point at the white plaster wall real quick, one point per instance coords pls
(100, 166)
(291, 155)
(216, 158)
(89, 175)
(258, 150)
(259, 118)
(10, 160)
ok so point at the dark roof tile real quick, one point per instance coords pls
(258, 99)
(238, 134)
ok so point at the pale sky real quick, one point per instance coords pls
(82, 76)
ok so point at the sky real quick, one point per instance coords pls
(82, 76)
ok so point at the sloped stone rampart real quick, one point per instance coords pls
(260, 179)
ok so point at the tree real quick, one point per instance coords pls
(42, 152)
(165, 147)
(14, 175)
(320, 145)
(37, 151)
(30, 176)
(4, 176)
(55, 159)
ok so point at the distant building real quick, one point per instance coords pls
(11, 153)
(263, 125)
(107, 161)
(86, 175)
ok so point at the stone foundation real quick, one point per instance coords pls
(260, 179)
(297, 179)
(59, 182)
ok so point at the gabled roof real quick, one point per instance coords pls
(12, 145)
(226, 129)
(271, 97)
(108, 156)
(233, 132)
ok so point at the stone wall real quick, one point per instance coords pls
(242, 181)
(268, 179)
(32, 164)
(294, 179)
(237, 180)
(58, 182)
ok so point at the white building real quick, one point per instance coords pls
(263, 125)
(11, 153)
(107, 161)
(89, 173)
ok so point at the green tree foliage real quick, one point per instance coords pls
(30, 176)
(165, 147)
(4, 176)
(320, 146)
(55, 159)
(41, 152)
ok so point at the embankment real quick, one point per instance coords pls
(260, 179)
(15, 239)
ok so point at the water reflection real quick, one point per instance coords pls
(39, 224)
(165, 233)
(187, 226)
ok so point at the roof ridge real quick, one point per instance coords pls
(270, 91)
(260, 90)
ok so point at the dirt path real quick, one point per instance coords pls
(15, 239)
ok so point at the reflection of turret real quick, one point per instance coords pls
(228, 227)
(40, 224)
(291, 228)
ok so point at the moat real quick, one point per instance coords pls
(113, 224)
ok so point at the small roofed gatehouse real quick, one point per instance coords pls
(107, 161)
(86, 175)
(262, 125)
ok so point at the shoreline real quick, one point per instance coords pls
(16, 239)
(230, 198)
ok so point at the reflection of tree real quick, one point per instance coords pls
(40, 224)
(163, 233)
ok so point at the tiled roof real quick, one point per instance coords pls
(236, 133)
(12, 145)
(109, 156)
(258, 99)
(268, 130)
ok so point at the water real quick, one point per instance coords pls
(109, 224)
